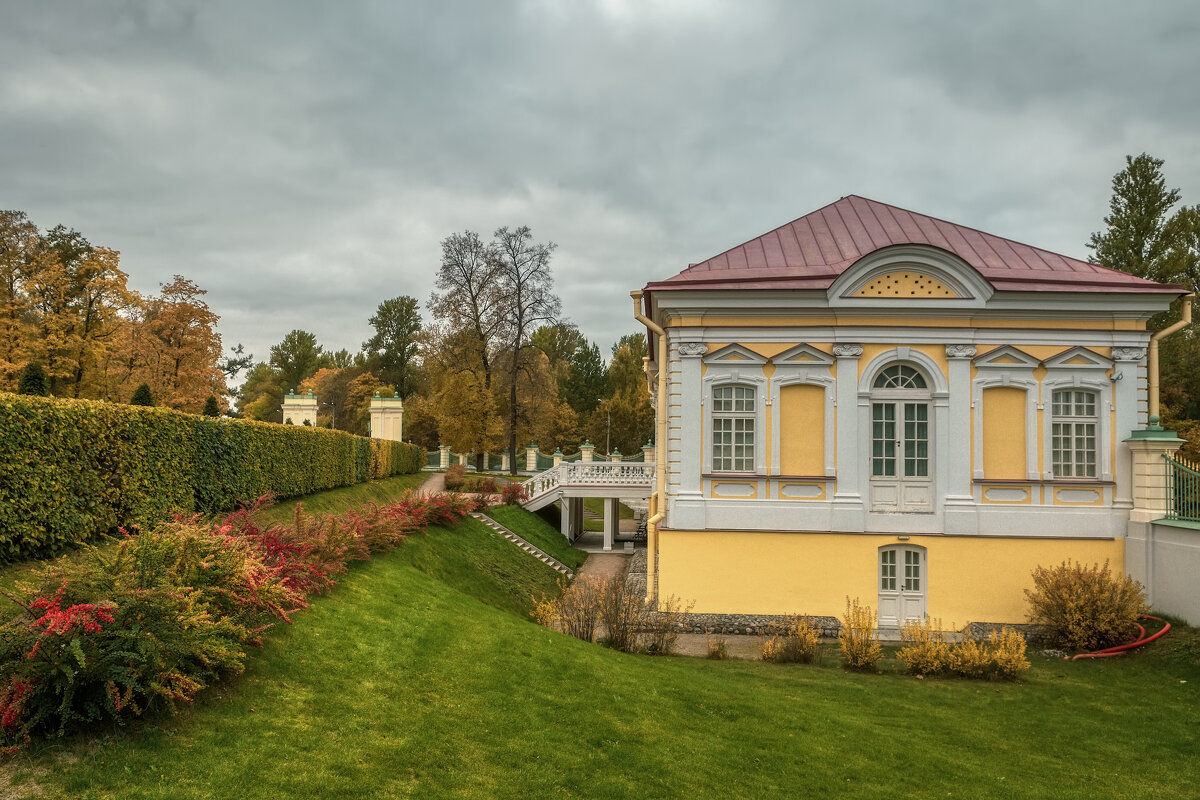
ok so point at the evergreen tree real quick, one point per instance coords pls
(142, 396)
(34, 381)
(211, 407)
(1139, 237)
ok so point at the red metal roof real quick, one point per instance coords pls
(810, 252)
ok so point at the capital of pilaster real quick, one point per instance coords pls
(847, 350)
(960, 351)
(1128, 353)
(692, 349)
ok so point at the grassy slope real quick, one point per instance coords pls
(421, 676)
(335, 501)
(539, 533)
(331, 501)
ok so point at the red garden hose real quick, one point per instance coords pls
(1138, 641)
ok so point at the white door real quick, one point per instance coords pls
(901, 585)
(901, 478)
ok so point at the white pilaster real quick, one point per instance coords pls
(958, 454)
(689, 502)
(847, 512)
(1125, 397)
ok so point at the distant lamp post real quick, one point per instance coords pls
(332, 415)
(608, 429)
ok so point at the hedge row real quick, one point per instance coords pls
(71, 469)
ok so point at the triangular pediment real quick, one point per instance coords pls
(803, 355)
(1007, 357)
(1079, 358)
(734, 354)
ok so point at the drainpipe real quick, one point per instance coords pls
(660, 441)
(1152, 355)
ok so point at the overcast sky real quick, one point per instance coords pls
(302, 161)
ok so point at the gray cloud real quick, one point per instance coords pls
(303, 160)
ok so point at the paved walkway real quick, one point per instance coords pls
(436, 482)
(602, 565)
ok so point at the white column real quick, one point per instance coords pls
(444, 450)
(587, 451)
(1125, 397)
(505, 461)
(531, 454)
(847, 499)
(558, 456)
(612, 516)
(564, 519)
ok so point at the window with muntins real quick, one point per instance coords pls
(733, 415)
(899, 376)
(1073, 436)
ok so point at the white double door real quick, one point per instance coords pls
(901, 474)
(902, 585)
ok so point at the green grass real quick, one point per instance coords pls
(335, 501)
(539, 533)
(596, 506)
(422, 676)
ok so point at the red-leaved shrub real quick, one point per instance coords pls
(165, 613)
(513, 494)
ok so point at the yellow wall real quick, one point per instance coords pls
(802, 430)
(1004, 433)
(969, 579)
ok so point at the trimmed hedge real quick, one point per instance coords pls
(72, 469)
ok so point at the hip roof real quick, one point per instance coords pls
(810, 253)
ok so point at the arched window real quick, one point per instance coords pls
(733, 417)
(1073, 438)
(900, 376)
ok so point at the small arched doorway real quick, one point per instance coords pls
(901, 446)
(902, 582)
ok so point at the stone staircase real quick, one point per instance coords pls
(540, 555)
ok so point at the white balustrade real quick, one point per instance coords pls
(593, 473)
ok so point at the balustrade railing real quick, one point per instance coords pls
(590, 473)
(1183, 490)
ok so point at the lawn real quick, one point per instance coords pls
(539, 533)
(422, 676)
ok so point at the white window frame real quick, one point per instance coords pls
(1092, 377)
(725, 409)
(749, 376)
(1074, 422)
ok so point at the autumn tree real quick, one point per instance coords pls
(543, 416)
(261, 395)
(468, 295)
(527, 300)
(632, 416)
(78, 292)
(392, 352)
(359, 392)
(460, 398)
(183, 346)
(297, 357)
(420, 422)
(19, 244)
